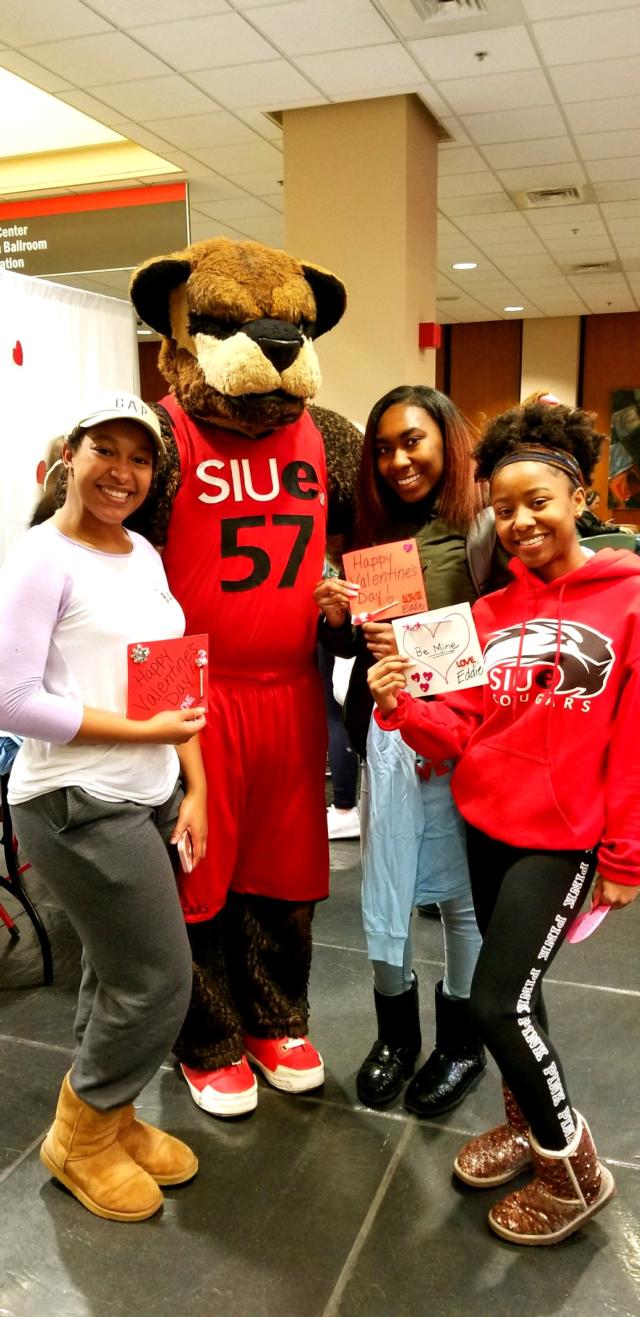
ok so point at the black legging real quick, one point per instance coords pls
(525, 903)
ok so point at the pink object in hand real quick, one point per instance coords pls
(587, 923)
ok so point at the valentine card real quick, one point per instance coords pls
(444, 650)
(167, 674)
(390, 580)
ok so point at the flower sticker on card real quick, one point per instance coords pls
(167, 674)
(443, 648)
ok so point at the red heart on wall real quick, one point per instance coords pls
(17, 353)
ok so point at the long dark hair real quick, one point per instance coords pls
(457, 497)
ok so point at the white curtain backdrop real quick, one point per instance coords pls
(57, 346)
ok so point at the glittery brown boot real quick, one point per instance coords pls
(500, 1154)
(568, 1188)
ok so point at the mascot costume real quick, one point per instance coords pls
(241, 514)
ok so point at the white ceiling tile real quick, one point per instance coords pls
(496, 246)
(601, 171)
(255, 4)
(132, 13)
(34, 73)
(620, 228)
(91, 60)
(507, 48)
(191, 130)
(465, 185)
(545, 216)
(628, 190)
(53, 21)
(606, 35)
(601, 146)
(622, 112)
(271, 85)
(269, 231)
(455, 130)
(566, 8)
(211, 190)
(373, 69)
(571, 228)
(458, 160)
(542, 176)
(243, 159)
(433, 100)
(498, 93)
(203, 228)
(142, 99)
(306, 26)
(459, 207)
(445, 227)
(598, 80)
(206, 43)
(264, 182)
(242, 208)
(80, 100)
(261, 124)
(517, 126)
(543, 151)
(136, 133)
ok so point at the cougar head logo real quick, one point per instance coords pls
(580, 657)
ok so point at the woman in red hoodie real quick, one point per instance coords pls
(562, 652)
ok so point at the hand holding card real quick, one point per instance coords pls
(587, 923)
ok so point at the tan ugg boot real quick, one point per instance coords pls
(82, 1151)
(568, 1188)
(166, 1159)
(500, 1154)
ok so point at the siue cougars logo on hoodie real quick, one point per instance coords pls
(547, 656)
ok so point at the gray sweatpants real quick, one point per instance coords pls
(108, 867)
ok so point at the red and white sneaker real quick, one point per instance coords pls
(230, 1091)
(291, 1064)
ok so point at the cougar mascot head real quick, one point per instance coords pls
(239, 322)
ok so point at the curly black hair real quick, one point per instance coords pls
(568, 429)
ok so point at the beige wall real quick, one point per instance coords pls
(550, 357)
(360, 199)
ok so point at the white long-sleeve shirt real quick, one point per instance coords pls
(67, 615)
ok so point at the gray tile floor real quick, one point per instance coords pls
(315, 1206)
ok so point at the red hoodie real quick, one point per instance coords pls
(549, 754)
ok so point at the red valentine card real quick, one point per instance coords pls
(167, 674)
(390, 580)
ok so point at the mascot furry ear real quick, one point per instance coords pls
(238, 322)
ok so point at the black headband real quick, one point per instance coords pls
(550, 456)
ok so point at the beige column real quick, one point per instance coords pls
(360, 199)
(550, 357)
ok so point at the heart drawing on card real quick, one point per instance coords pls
(415, 676)
(439, 644)
(17, 353)
(407, 548)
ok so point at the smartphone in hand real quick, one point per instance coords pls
(185, 852)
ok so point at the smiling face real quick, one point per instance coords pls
(409, 452)
(535, 508)
(110, 472)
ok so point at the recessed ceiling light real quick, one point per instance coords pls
(513, 308)
(465, 265)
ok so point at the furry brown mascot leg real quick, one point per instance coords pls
(268, 950)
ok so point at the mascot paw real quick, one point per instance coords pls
(291, 1064)
(231, 1090)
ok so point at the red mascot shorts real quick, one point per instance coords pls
(264, 750)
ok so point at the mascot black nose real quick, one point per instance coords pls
(279, 340)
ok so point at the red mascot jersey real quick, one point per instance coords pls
(245, 549)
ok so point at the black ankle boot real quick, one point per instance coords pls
(392, 1058)
(455, 1065)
